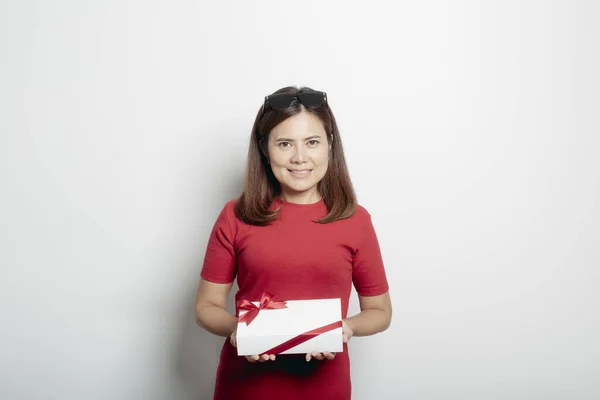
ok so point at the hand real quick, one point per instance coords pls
(261, 358)
(252, 358)
(347, 333)
(320, 356)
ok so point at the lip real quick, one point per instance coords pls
(295, 174)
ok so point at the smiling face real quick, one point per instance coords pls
(298, 153)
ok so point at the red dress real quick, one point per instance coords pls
(295, 259)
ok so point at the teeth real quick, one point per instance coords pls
(300, 172)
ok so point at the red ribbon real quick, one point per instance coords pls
(266, 302)
(295, 341)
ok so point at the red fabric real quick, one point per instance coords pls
(296, 259)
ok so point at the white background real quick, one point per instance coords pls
(472, 135)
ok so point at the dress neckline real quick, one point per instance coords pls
(289, 204)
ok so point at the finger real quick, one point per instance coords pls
(308, 357)
(272, 357)
(329, 356)
(318, 356)
(263, 358)
(252, 358)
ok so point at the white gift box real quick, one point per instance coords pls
(272, 327)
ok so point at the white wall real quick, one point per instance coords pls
(472, 133)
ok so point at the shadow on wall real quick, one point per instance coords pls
(198, 351)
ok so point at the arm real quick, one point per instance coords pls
(211, 314)
(375, 315)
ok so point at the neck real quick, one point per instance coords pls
(301, 198)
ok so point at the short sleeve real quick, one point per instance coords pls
(220, 258)
(368, 272)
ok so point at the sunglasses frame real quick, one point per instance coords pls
(295, 96)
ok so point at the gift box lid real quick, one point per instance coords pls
(298, 316)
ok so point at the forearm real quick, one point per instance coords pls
(215, 319)
(369, 322)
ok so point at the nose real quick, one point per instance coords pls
(299, 156)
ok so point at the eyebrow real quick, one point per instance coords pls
(291, 140)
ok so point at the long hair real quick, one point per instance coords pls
(261, 187)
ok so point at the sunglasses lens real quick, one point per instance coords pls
(280, 101)
(311, 99)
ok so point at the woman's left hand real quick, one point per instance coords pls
(346, 336)
(320, 356)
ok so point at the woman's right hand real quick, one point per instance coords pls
(252, 358)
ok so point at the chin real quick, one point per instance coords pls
(301, 188)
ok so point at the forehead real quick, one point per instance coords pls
(299, 126)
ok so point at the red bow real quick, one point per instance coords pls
(266, 302)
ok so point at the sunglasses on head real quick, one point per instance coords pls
(281, 101)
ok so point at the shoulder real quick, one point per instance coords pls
(361, 214)
(359, 218)
(229, 207)
(229, 211)
(227, 214)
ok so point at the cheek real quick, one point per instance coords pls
(276, 159)
(322, 158)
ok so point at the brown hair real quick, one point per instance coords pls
(261, 187)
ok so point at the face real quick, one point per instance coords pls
(298, 153)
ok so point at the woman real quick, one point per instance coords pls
(297, 232)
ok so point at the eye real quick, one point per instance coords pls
(284, 145)
(313, 142)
